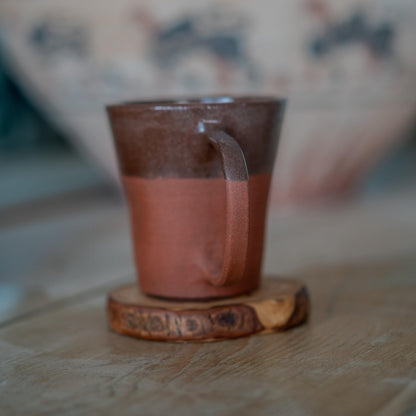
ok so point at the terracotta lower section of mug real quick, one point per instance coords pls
(178, 228)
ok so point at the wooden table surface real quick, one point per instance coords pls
(356, 356)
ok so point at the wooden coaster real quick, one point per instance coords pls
(278, 305)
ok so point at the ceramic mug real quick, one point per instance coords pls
(197, 176)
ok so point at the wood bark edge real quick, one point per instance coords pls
(225, 321)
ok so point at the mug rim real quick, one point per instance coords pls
(192, 102)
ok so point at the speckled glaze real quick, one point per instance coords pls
(197, 176)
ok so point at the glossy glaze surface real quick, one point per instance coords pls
(197, 176)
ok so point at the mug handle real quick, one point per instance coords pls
(235, 172)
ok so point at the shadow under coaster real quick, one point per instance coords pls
(279, 304)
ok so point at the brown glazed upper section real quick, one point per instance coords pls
(167, 139)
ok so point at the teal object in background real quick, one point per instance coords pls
(22, 128)
(36, 161)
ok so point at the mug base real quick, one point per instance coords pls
(199, 297)
(279, 304)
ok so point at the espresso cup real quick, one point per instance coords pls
(197, 176)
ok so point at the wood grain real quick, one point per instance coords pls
(278, 305)
(355, 356)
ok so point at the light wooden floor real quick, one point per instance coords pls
(356, 356)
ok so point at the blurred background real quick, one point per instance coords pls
(348, 69)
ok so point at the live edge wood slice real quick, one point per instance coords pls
(278, 305)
